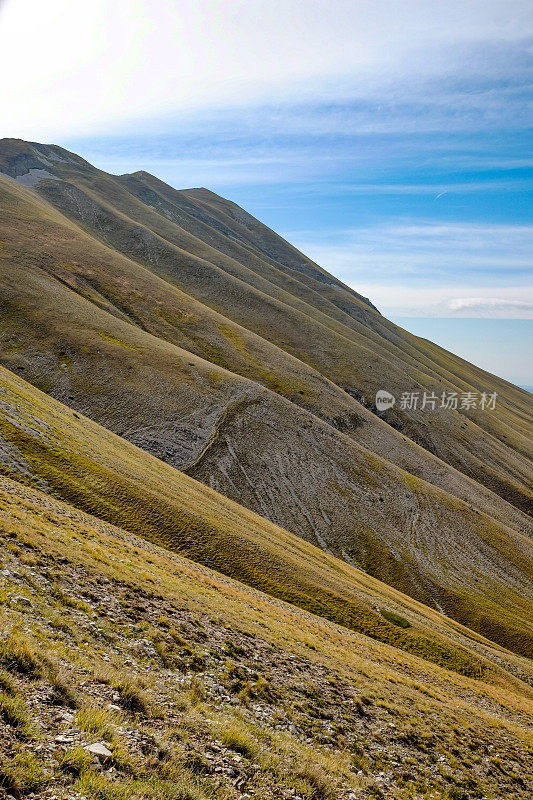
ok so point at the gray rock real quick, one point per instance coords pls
(62, 739)
(20, 599)
(99, 749)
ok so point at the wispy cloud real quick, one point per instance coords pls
(411, 299)
(427, 250)
(490, 303)
(153, 59)
(314, 170)
(433, 269)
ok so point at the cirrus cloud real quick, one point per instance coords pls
(489, 303)
(98, 66)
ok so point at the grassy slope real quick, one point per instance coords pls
(171, 403)
(278, 700)
(223, 257)
(208, 253)
(136, 295)
(50, 446)
(133, 294)
(384, 354)
(47, 444)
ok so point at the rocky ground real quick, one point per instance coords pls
(108, 692)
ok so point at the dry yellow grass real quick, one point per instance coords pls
(177, 310)
(121, 484)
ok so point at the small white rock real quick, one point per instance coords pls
(99, 749)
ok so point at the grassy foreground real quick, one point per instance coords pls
(192, 686)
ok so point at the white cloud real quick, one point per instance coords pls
(423, 251)
(412, 300)
(493, 303)
(433, 268)
(77, 67)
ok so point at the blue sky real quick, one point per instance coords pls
(508, 355)
(389, 141)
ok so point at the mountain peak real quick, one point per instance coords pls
(212, 525)
(194, 330)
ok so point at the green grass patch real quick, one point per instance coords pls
(18, 655)
(96, 786)
(238, 740)
(22, 774)
(108, 337)
(394, 618)
(134, 697)
(97, 721)
(13, 711)
(75, 761)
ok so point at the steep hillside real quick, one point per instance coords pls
(224, 258)
(49, 446)
(131, 672)
(358, 625)
(182, 324)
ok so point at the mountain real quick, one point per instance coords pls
(130, 671)
(224, 573)
(180, 323)
(49, 446)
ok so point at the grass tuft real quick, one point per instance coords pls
(22, 774)
(7, 683)
(133, 696)
(18, 655)
(63, 692)
(75, 761)
(239, 741)
(320, 786)
(97, 721)
(13, 711)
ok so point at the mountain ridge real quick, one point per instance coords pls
(269, 410)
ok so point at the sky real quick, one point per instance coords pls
(390, 140)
